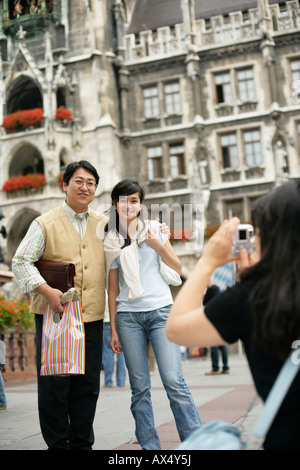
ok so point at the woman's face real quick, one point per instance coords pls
(128, 207)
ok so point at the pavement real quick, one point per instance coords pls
(221, 396)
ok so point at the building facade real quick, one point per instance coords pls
(200, 101)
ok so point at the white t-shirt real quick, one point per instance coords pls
(157, 292)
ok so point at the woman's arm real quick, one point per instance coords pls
(166, 250)
(113, 292)
(187, 323)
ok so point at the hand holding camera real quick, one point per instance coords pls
(243, 237)
(226, 245)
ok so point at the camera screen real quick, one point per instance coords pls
(243, 234)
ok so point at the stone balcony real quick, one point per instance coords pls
(219, 30)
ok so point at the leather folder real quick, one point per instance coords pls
(59, 275)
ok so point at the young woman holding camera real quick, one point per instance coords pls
(262, 309)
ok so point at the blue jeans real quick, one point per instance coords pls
(3, 403)
(133, 330)
(215, 357)
(108, 360)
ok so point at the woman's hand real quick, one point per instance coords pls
(114, 343)
(153, 239)
(166, 251)
(218, 249)
(245, 259)
(164, 228)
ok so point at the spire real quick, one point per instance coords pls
(188, 13)
(264, 18)
(48, 58)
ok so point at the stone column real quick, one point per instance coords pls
(268, 53)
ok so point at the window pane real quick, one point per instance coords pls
(172, 97)
(234, 156)
(154, 162)
(252, 147)
(174, 166)
(235, 209)
(176, 160)
(175, 149)
(154, 152)
(223, 88)
(229, 151)
(226, 157)
(245, 84)
(295, 68)
(151, 103)
(151, 169)
(249, 155)
(222, 78)
(154, 168)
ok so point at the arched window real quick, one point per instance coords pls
(61, 97)
(63, 159)
(22, 94)
(18, 230)
(26, 159)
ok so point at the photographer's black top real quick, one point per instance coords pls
(230, 314)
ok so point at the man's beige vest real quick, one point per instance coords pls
(63, 243)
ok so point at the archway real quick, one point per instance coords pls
(19, 226)
(64, 159)
(26, 159)
(23, 93)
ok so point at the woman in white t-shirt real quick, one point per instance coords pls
(139, 259)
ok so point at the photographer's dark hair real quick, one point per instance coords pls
(72, 167)
(125, 187)
(276, 294)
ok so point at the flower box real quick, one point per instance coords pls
(24, 183)
(63, 114)
(26, 119)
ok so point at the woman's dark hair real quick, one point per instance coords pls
(125, 187)
(275, 278)
(72, 167)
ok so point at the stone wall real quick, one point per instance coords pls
(20, 357)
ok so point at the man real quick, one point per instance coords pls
(67, 405)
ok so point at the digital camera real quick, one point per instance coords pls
(243, 237)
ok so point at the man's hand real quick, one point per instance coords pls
(53, 297)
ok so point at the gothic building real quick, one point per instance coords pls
(200, 101)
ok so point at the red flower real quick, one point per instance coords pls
(20, 120)
(63, 114)
(60, 179)
(30, 181)
(15, 315)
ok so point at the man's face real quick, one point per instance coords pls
(81, 190)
